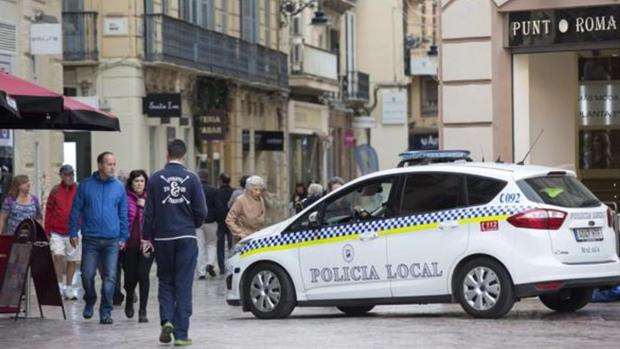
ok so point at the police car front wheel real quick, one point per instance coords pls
(484, 288)
(269, 291)
(356, 311)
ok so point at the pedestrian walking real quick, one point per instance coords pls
(298, 197)
(224, 236)
(100, 209)
(207, 233)
(334, 183)
(19, 204)
(247, 214)
(57, 211)
(315, 191)
(118, 298)
(238, 192)
(136, 265)
(175, 207)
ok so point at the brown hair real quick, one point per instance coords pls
(16, 183)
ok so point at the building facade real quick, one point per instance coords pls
(530, 76)
(37, 154)
(211, 72)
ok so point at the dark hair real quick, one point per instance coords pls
(135, 174)
(225, 178)
(203, 175)
(102, 156)
(176, 149)
(243, 180)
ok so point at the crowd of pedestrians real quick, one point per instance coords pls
(121, 223)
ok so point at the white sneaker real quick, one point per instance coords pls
(61, 288)
(70, 293)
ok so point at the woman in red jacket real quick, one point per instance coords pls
(136, 265)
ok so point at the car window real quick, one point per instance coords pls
(563, 191)
(365, 201)
(481, 190)
(301, 223)
(427, 192)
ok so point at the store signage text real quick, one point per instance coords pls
(162, 104)
(210, 126)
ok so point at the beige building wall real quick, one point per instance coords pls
(380, 54)
(42, 168)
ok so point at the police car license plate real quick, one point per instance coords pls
(588, 234)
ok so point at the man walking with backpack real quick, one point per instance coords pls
(175, 208)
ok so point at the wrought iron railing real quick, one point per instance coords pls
(356, 86)
(171, 40)
(79, 32)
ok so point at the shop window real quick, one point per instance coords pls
(429, 96)
(599, 69)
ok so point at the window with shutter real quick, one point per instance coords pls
(224, 16)
(267, 23)
(8, 39)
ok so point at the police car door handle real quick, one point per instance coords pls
(368, 236)
(448, 225)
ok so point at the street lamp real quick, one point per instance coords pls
(290, 8)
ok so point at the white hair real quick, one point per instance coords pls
(254, 181)
(315, 189)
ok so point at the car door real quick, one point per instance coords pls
(345, 256)
(422, 251)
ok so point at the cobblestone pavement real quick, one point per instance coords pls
(217, 325)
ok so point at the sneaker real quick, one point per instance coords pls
(88, 311)
(106, 321)
(182, 342)
(202, 277)
(70, 293)
(211, 271)
(61, 288)
(165, 336)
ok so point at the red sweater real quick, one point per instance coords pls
(58, 209)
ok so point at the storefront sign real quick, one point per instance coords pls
(115, 26)
(263, 140)
(599, 104)
(45, 39)
(562, 27)
(394, 107)
(210, 126)
(425, 141)
(162, 104)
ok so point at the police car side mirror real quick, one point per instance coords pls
(313, 219)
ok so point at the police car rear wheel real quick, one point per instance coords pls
(356, 311)
(484, 289)
(270, 292)
(567, 300)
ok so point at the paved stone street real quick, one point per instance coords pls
(217, 325)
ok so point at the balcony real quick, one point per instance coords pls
(79, 34)
(356, 87)
(173, 41)
(313, 70)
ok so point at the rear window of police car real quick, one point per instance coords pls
(558, 190)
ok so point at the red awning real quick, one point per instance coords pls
(31, 98)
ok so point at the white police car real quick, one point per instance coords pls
(481, 234)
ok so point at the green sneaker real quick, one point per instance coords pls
(165, 336)
(182, 342)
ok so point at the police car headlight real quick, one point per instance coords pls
(239, 247)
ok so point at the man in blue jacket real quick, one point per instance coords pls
(175, 207)
(100, 210)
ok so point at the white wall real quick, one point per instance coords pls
(545, 98)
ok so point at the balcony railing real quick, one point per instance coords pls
(171, 40)
(79, 32)
(356, 87)
(314, 61)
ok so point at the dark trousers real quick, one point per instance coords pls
(176, 265)
(118, 296)
(102, 254)
(137, 270)
(222, 233)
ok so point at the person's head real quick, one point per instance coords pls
(67, 174)
(335, 183)
(137, 181)
(20, 184)
(107, 164)
(225, 179)
(315, 189)
(242, 181)
(254, 185)
(300, 189)
(176, 150)
(203, 175)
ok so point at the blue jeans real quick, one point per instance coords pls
(176, 264)
(102, 254)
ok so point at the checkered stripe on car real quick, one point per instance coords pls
(351, 230)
